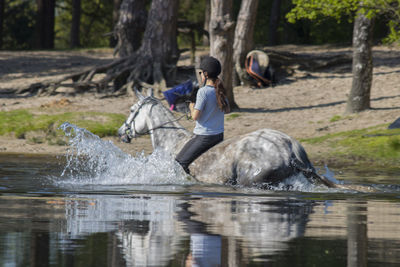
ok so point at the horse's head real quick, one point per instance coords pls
(136, 124)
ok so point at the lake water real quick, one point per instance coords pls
(98, 206)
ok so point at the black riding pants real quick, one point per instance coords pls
(195, 147)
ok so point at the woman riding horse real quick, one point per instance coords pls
(208, 112)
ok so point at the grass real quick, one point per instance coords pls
(22, 123)
(335, 118)
(375, 145)
(338, 118)
(232, 116)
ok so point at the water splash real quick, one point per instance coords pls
(296, 183)
(300, 183)
(91, 160)
(330, 175)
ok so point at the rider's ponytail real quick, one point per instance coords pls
(222, 101)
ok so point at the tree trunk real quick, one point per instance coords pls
(116, 7)
(1, 22)
(76, 22)
(274, 22)
(359, 98)
(221, 37)
(159, 39)
(130, 26)
(49, 24)
(206, 39)
(39, 24)
(45, 24)
(155, 61)
(243, 42)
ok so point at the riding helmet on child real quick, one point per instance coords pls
(210, 65)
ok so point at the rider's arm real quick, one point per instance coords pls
(195, 113)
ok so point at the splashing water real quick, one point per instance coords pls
(91, 160)
(330, 175)
(300, 183)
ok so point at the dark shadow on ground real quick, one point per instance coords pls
(48, 65)
(262, 110)
(382, 98)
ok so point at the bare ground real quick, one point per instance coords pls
(301, 105)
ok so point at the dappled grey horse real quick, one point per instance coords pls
(262, 157)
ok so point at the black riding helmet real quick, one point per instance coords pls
(210, 65)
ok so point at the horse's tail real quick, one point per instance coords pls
(314, 177)
(318, 179)
(301, 163)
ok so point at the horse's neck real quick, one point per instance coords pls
(168, 134)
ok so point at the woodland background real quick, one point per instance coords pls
(20, 25)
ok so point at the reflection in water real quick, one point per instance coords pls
(14, 248)
(357, 240)
(151, 236)
(151, 225)
(369, 229)
(144, 225)
(205, 250)
(262, 225)
(129, 230)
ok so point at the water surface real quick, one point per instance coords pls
(98, 206)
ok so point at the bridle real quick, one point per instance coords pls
(129, 130)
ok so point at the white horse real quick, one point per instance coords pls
(262, 157)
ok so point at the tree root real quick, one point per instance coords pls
(118, 78)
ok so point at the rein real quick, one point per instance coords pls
(129, 129)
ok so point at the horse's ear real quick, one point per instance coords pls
(138, 94)
(150, 92)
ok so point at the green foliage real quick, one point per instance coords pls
(22, 122)
(316, 10)
(96, 21)
(19, 24)
(331, 31)
(338, 9)
(394, 34)
(261, 29)
(326, 30)
(193, 11)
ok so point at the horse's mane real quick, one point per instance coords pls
(169, 113)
